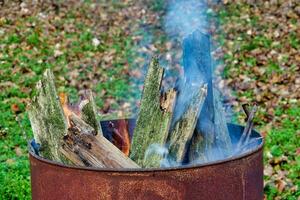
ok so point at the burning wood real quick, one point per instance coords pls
(120, 136)
(83, 148)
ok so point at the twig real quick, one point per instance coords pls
(246, 110)
(249, 143)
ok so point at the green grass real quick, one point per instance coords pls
(283, 115)
(283, 142)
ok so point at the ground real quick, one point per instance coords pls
(105, 46)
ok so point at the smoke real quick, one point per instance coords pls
(185, 16)
(187, 23)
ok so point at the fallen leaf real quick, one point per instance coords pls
(18, 151)
(15, 108)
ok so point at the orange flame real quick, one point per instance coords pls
(67, 108)
(120, 136)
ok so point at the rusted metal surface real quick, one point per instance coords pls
(239, 178)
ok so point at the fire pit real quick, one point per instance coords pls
(238, 177)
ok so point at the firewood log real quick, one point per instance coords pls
(83, 148)
(198, 69)
(154, 118)
(71, 138)
(222, 136)
(48, 122)
(183, 128)
(89, 112)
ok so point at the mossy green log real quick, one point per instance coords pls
(47, 119)
(89, 112)
(154, 118)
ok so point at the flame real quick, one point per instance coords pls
(120, 137)
(67, 108)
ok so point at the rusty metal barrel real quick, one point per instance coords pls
(235, 178)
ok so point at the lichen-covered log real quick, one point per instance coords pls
(83, 148)
(154, 118)
(47, 118)
(222, 136)
(184, 127)
(89, 112)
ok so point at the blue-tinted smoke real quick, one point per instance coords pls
(185, 16)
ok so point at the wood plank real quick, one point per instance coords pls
(198, 69)
(222, 136)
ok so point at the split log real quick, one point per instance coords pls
(184, 127)
(78, 141)
(198, 69)
(48, 122)
(222, 142)
(196, 152)
(222, 136)
(83, 148)
(154, 118)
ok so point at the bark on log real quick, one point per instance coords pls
(184, 127)
(86, 149)
(47, 119)
(154, 118)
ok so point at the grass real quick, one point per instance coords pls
(281, 143)
(248, 40)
